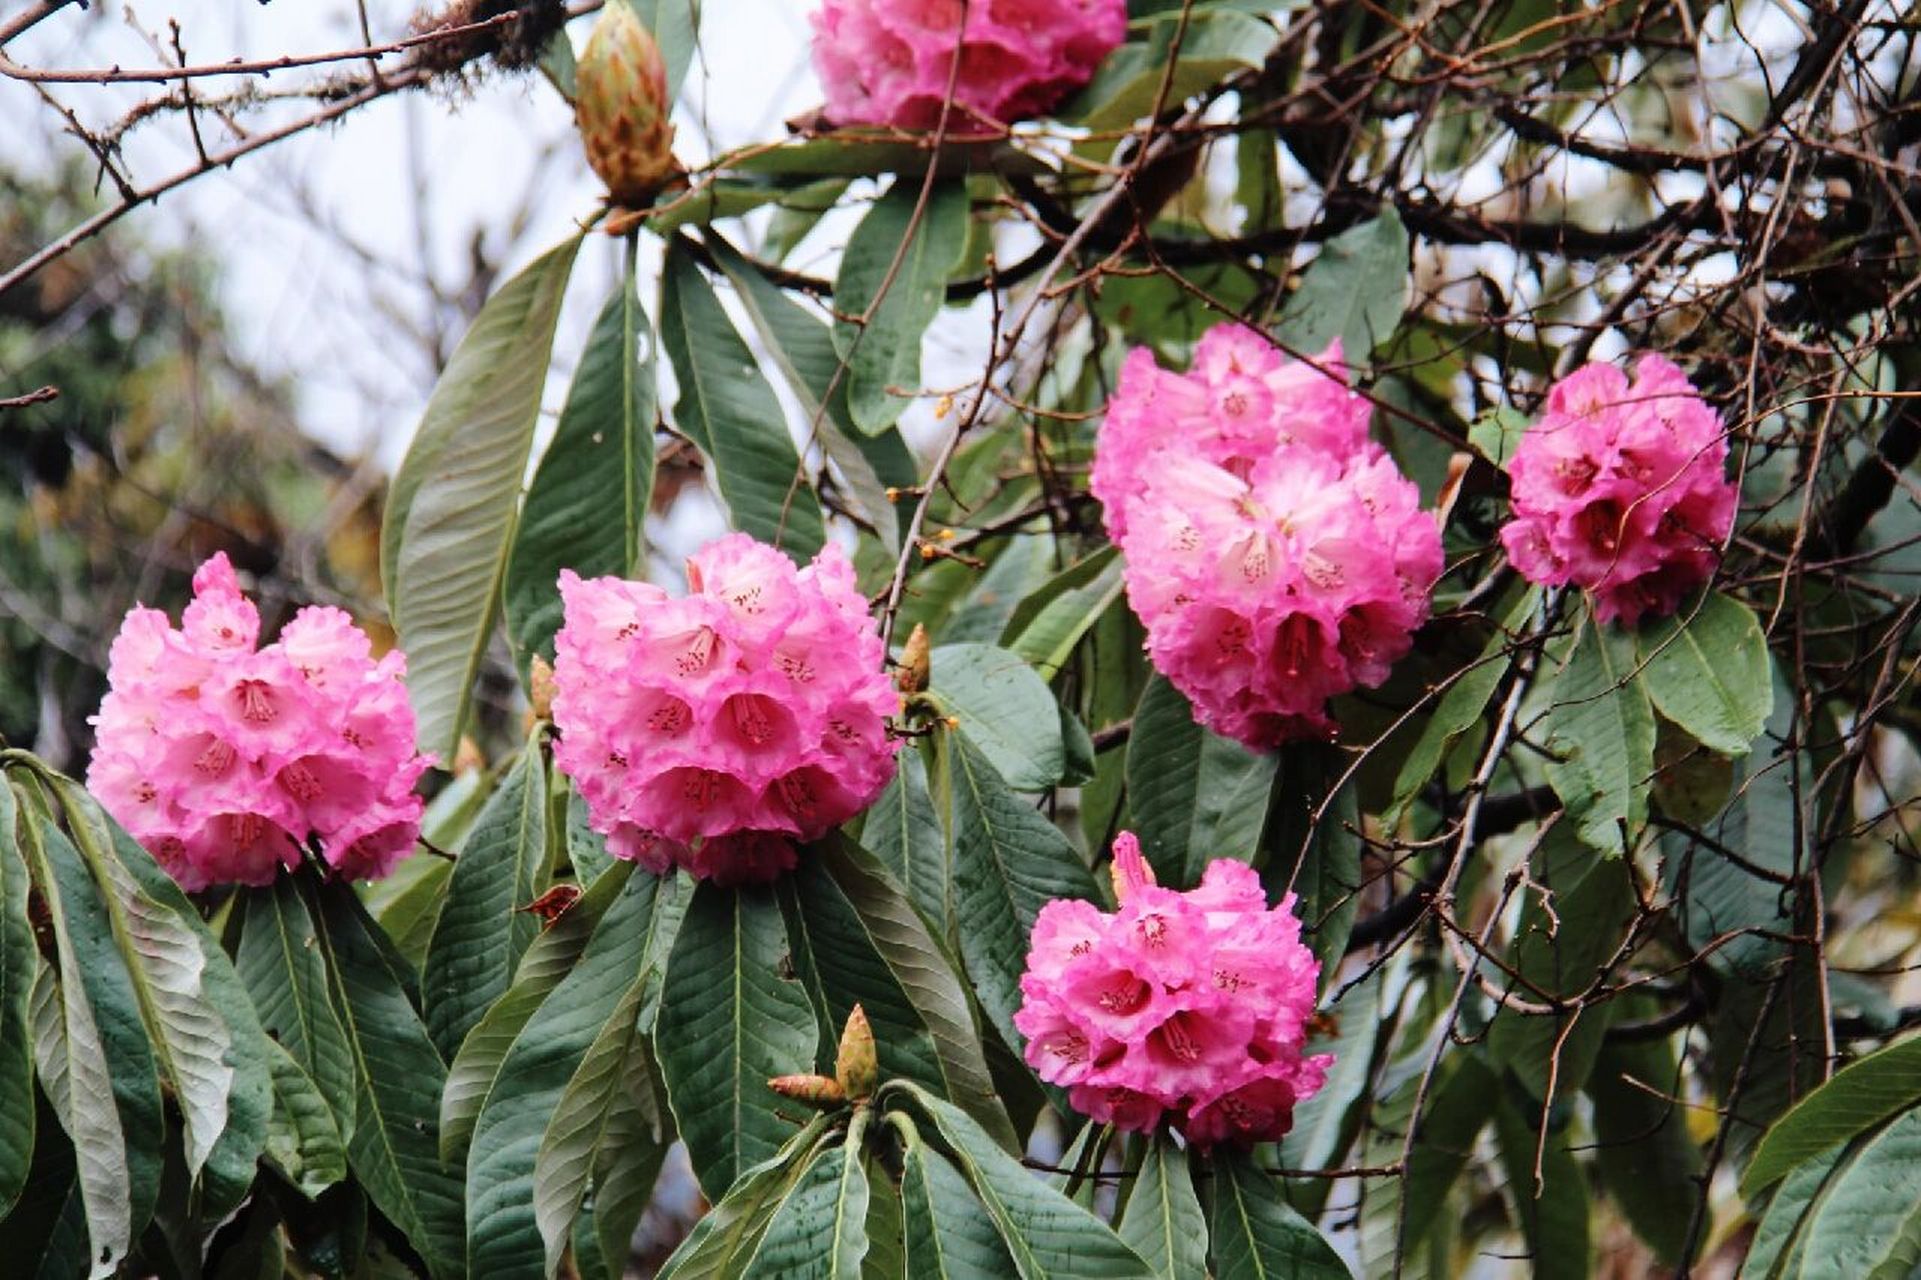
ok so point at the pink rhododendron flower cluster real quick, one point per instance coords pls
(1192, 1006)
(1276, 554)
(1620, 487)
(889, 62)
(717, 729)
(224, 757)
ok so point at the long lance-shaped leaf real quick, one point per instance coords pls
(1046, 626)
(729, 1021)
(395, 1152)
(1046, 1233)
(285, 973)
(1707, 670)
(1009, 862)
(859, 942)
(633, 1147)
(303, 1140)
(599, 465)
(451, 510)
(902, 830)
(580, 1125)
(1600, 730)
(948, 1235)
(726, 1235)
(503, 1234)
(727, 408)
(1162, 1221)
(484, 926)
(18, 961)
(93, 1055)
(1858, 1097)
(820, 1229)
(803, 349)
(1255, 1235)
(1195, 796)
(551, 957)
(907, 249)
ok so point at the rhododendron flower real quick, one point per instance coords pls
(1276, 554)
(889, 62)
(1185, 1005)
(1620, 488)
(716, 730)
(225, 759)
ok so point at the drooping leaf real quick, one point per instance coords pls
(1194, 795)
(1647, 1160)
(995, 696)
(1781, 1235)
(720, 1243)
(18, 960)
(1458, 1109)
(1047, 625)
(1163, 1221)
(1707, 670)
(1355, 291)
(1600, 731)
(1552, 1211)
(548, 960)
(484, 926)
(727, 408)
(1214, 44)
(729, 1021)
(904, 832)
(1255, 1235)
(633, 1147)
(1858, 1097)
(450, 513)
(857, 933)
(1009, 861)
(1314, 848)
(303, 1140)
(675, 26)
(586, 508)
(504, 1237)
(1320, 1122)
(892, 282)
(819, 1232)
(1869, 1225)
(1045, 1233)
(948, 1233)
(285, 973)
(395, 1149)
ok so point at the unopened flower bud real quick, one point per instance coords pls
(816, 1091)
(622, 108)
(540, 688)
(914, 661)
(856, 1067)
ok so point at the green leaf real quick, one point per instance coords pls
(1355, 290)
(484, 926)
(1858, 1097)
(575, 1136)
(1868, 1227)
(586, 847)
(1194, 795)
(1458, 1109)
(1553, 1213)
(586, 509)
(395, 1148)
(1781, 1234)
(948, 1233)
(727, 408)
(1254, 1234)
(18, 961)
(720, 1243)
(675, 26)
(1315, 843)
(802, 348)
(729, 1021)
(892, 282)
(551, 957)
(1460, 707)
(886, 1246)
(1560, 945)
(632, 1149)
(1163, 1221)
(1600, 731)
(1049, 623)
(995, 695)
(1647, 1160)
(1215, 44)
(504, 1238)
(285, 973)
(1707, 670)
(1047, 1234)
(302, 1138)
(1009, 861)
(1320, 1123)
(820, 1230)
(93, 1055)
(904, 832)
(451, 510)
(862, 939)
(406, 905)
